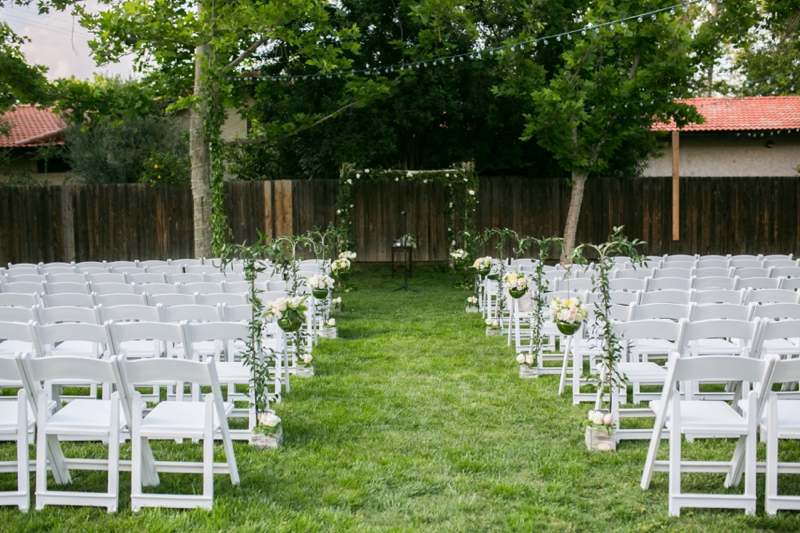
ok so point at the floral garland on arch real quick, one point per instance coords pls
(462, 190)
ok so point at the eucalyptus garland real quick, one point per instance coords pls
(462, 190)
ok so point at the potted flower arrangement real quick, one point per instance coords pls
(483, 265)
(568, 314)
(459, 257)
(340, 269)
(320, 285)
(304, 367)
(516, 284)
(601, 432)
(336, 304)
(289, 312)
(527, 366)
(406, 240)
(268, 433)
(329, 329)
(472, 305)
(493, 327)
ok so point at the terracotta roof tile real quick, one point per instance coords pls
(31, 127)
(743, 114)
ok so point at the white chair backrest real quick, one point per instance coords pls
(152, 263)
(147, 277)
(650, 329)
(67, 288)
(110, 300)
(786, 371)
(71, 277)
(156, 288)
(722, 329)
(712, 262)
(780, 263)
(752, 272)
(681, 284)
(674, 270)
(194, 313)
(17, 331)
(56, 268)
(717, 296)
(723, 311)
(666, 296)
(271, 296)
(220, 298)
(68, 300)
(23, 268)
(23, 287)
(778, 256)
(120, 332)
(276, 285)
(791, 284)
(661, 311)
(717, 368)
(26, 278)
(751, 257)
(206, 287)
(746, 263)
(759, 283)
(212, 331)
(128, 270)
(50, 334)
(68, 314)
(168, 300)
(60, 367)
(166, 269)
(201, 269)
(113, 288)
(91, 270)
(714, 283)
(716, 272)
(16, 314)
(227, 277)
(18, 300)
(92, 264)
(772, 296)
(786, 272)
(624, 297)
(680, 257)
(572, 284)
(237, 287)
(778, 311)
(627, 284)
(128, 313)
(771, 330)
(186, 278)
(123, 264)
(236, 313)
(107, 277)
(185, 262)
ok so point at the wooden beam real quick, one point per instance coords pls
(676, 188)
(67, 224)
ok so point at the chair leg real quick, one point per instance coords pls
(23, 468)
(208, 453)
(564, 365)
(675, 458)
(113, 455)
(577, 371)
(771, 483)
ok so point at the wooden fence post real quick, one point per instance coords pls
(676, 188)
(67, 224)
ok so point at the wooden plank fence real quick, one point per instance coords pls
(125, 222)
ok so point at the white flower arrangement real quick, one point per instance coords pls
(268, 423)
(350, 256)
(340, 265)
(458, 254)
(493, 323)
(319, 282)
(307, 358)
(482, 263)
(515, 281)
(525, 359)
(472, 300)
(275, 310)
(330, 323)
(569, 311)
(601, 420)
(336, 301)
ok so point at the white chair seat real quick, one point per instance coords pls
(780, 346)
(9, 415)
(10, 347)
(141, 348)
(74, 348)
(84, 418)
(717, 347)
(788, 417)
(654, 346)
(707, 418)
(643, 372)
(169, 420)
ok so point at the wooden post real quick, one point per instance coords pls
(283, 208)
(67, 224)
(676, 188)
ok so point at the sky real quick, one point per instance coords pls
(58, 43)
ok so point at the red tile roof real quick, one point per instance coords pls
(742, 114)
(31, 127)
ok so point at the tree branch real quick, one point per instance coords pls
(244, 55)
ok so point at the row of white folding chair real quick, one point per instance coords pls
(206, 287)
(123, 277)
(135, 263)
(106, 420)
(64, 269)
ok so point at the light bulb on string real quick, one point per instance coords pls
(639, 19)
(558, 38)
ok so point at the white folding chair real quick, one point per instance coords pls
(124, 264)
(67, 288)
(156, 288)
(106, 277)
(81, 419)
(237, 287)
(677, 258)
(723, 311)
(752, 272)
(23, 268)
(759, 283)
(168, 300)
(674, 272)
(113, 288)
(706, 420)
(69, 277)
(712, 262)
(151, 263)
(185, 262)
(718, 296)
(16, 421)
(786, 267)
(672, 284)
(147, 277)
(56, 268)
(16, 337)
(143, 339)
(786, 272)
(172, 420)
(164, 269)
(792, 284)
(714, 283)
(97, 265)
(782, 422)
(743, 262)
(113, 300)
(780, 337)
(18, 300)
(666, 296)
(28, 278)
(23, 287)
(627, 284)
(227, 277)
(68, 300)
(205, 287)
(226, 298)
(772, 296)
(186, 278)
(631, 273)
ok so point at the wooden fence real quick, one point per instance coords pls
(119, 222)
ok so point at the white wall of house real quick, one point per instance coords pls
(726, 155)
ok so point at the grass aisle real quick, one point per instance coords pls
(418, 422)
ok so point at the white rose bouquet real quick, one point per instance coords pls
(472, 300)
(601, 420)
(330, 323)
(568, 314)
(350, 256)
(525, 359)
(287, 311)
(516, 284)
(459, 256)
(483, 265)
(268, 423)
(340, 266)
(306, 359)
(493, 323)
(319, 284)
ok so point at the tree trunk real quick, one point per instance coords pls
(200, 156)
(576, 199)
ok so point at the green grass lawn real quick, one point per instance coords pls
(416, 421)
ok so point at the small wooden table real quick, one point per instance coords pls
(408, 255)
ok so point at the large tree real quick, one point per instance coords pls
(191, 51)
(610, 82)
(20, 83)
